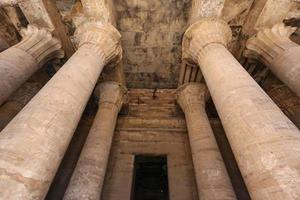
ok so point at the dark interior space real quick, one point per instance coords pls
(150, 178)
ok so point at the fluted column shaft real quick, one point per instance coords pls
(89, 174)
(265, 142)
(19, 62)
(213, 182)
(34, 142)
(274, 48)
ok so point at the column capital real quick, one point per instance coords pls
(40, 44)
(4, 3)
(191, 94)
(101, 37)
(111, 92)
(269, 43)
(202, 33)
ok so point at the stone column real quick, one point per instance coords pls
(19, 62)
(34, 142)
(273, 47)
(205, 8)
(265, 142)
(9, 2)
(89, 174)
(211, 176)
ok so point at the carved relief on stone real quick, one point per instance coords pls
(205, 8)
(191, 96)
(9, 2)
(202, 33)
(40, 44)
(21, 61)
(99, 10)
(111, 92)
(101, 37)
(273, 47)
(269, 43)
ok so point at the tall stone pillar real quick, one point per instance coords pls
(273, 47)
(213, 182)
(19, 62)
(89, 174)
(265, 142)
(34, 142)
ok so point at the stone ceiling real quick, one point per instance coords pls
(152, 33)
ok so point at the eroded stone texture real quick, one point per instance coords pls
(9, 2)
(265, 142)
(151, 36)
(274, 48)
(89, 174)
(211, 175)
(34, 142)
(100, 10)
(205, 8)
(274, 12)
(17, 101)
(3, 43)
(8, 34)
(19, 62)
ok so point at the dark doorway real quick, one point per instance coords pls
(150, 178)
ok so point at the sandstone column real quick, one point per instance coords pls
(89, 174)
(273, 47)
(265, 142)
(19, 62)
(33, 143)
(205, 8)
(9, 2)
(211, 176)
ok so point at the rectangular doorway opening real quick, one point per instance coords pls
(150, 181)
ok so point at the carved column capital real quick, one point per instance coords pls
(192, 95)
(202, 33)
(270, 43)
(39, 43)
(111, 92)
(101, 37)
(4, 3)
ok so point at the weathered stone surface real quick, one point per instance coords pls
(205, 8)
(9, 2)
(88, 177)
(265, 142)
(152, 32)
(210, 172)
(34, 142)
(273, 47)
(19, 62)
(8, 34)
(100, 10)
